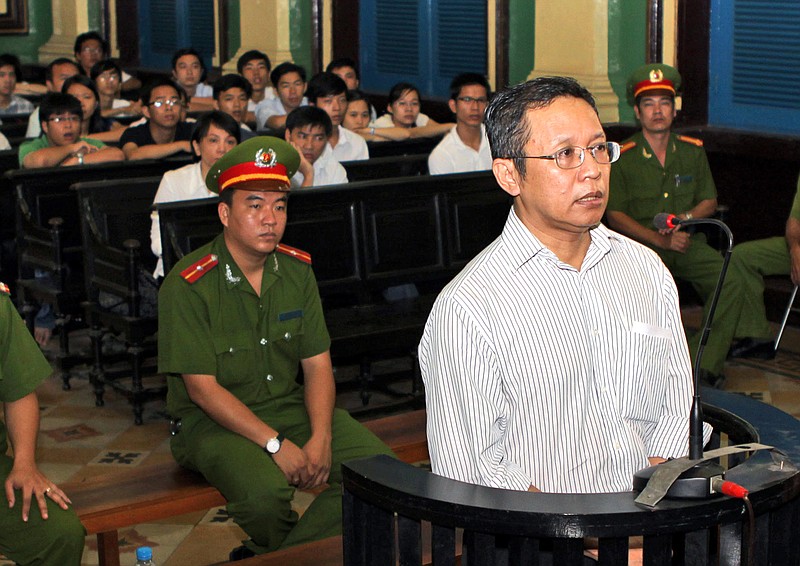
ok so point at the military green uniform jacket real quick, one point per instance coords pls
(22, 365)
(642, 188)
(212, 322)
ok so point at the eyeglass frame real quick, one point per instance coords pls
(471, 99)
(592, 149)
(69, 118)
(168, 102)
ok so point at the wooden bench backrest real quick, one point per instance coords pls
(386, 167)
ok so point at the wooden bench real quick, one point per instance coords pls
(386, 167)
(113, 502)
(367, 240)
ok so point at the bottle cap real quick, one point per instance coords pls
(144, 553)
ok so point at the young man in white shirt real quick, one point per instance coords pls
(290, 83)
(55, 74)
(308, 129)
(255, 67)
(466, 147)
(329, 92)
(231, 95)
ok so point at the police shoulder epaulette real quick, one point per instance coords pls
(4, 288)
(691, 140)
(194, 272)
(626, 146)
(294, 252)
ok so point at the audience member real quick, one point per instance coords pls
(90, 48)
(403, 111)
(290, 83)
(231, 95)
(106, 76)
(56, 73)
(214, 135)
(61, 116)
(346, 69)
(308, 129)
(661, 171)
(93, 124)
(246, 423)
(37, 525)
(556, 360)
(255, 66)
(164, 133)
(189, 72)
(357, 119)
(10, 73)
(466, 147)
(329, 92)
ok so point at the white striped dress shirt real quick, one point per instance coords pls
(539, 373)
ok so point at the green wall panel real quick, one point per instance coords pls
(627, 44)
(300, 42)
(234, 34)
(522, 26)
(40, 28)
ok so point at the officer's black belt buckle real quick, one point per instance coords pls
(174, 426)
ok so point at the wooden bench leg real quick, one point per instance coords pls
(108, 548)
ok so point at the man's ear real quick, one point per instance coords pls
(223, 211)
(216, 104)
(287, 135)
(196, 148)
(45, 127)
(505, 172)
(452, 105)
(636, 112)
(146, 111)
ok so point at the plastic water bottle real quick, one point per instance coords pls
(144, 556)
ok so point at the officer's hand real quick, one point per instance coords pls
(318, 455)
(794, 253)
(679, 241)
(292, 462)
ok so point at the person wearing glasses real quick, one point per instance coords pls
(466, 147)
(106, 75)
(661, 171)
(90, 48)
(164, 133)
(61, 116)
(556, 360)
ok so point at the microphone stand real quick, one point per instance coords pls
(695, 483)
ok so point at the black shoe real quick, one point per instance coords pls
(715, 380)
(759, 348)
(240, 553)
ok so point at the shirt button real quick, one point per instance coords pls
(666, 195)
(263, 341)
(595, 331)
(269, 377)
(616, 445)
(230, 350)
(288, 335)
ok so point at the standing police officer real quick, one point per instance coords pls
(236, 319)
(660, 171)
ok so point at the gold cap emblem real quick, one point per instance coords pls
(266, 158)
(656, 75)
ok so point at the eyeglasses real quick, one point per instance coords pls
(59, 119)
(108, 78)
(92, 50)
(170, 103)
(572, 157)
(470, 100)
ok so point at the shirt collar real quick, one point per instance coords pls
(232, 274)
(522, 245)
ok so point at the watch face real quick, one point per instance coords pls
(273, 445)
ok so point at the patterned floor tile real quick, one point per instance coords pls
(126, 458)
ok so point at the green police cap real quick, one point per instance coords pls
(262, 163)
(653, 77)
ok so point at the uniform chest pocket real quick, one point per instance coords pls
(288, 331)
(234, 353)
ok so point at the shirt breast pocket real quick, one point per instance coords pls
(287, 334)
(235, 360)
(649, 350)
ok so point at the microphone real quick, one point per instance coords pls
(695, 483)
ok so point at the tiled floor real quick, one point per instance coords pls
(79, 440)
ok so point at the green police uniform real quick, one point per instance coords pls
(212, 322)
(642, 188)
(751, 262)
(57, 540)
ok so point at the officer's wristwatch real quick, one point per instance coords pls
(273, 445)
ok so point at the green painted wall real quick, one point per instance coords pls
(40, 28)
(300, 26)
(234, 34)
(627, 44)
(522, 26)
(95, 9)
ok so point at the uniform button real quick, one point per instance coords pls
(230, 350)
(288, 335)
(263, 341)
(666, 195)
(269, 377)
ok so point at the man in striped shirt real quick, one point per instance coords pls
(556, 360)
